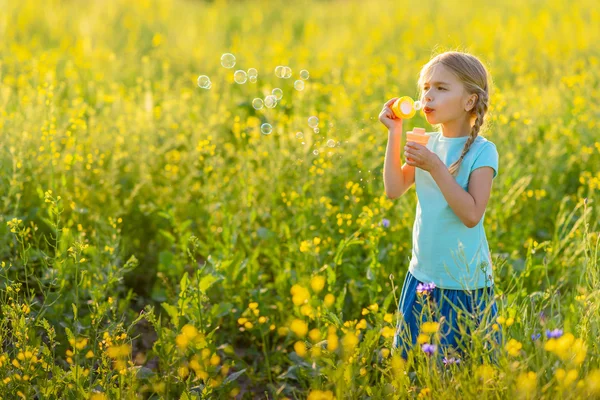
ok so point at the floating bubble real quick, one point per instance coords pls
(316, 130)
(313, 121)
(266, 129)
(204, 82)
(279, 70)
(252, 79)
(304, 74)
(287, 72)
(228, 60)
(331, 143)
(299, 135)
(252, 72)
(299, 85)
(257, 103)
(316, 152)
(240, 76)
(278, 93)
(270, 101)
(417, 105)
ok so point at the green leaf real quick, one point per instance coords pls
(234, 376)
(184, 282)
(207, 282)
(172, 311)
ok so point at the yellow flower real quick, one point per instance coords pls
(500, 320)
(307, 310)
(387, 332)
(314, 335)
(262, 320)
(422, 338)
(566, 378)
(253, 305)
(189, 331)
(592, 382)
(317, 283)
(329, 300)
(430, 327)
(300, 294)
(320, 395)
(349, 343)
(362, 324)
(299, 327)
(513, 347)
(485, 373)
(300, 348)
(527, 383)
(425, 392)
(374, 307)
(388, 317)
(385, 353)
(332, 342)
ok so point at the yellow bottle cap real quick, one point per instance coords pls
(404, 107)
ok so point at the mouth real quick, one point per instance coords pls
(428, 110)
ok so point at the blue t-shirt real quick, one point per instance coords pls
(444, 250)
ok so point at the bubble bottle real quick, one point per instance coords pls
(405, 107)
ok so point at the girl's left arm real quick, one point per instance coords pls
(469, 205)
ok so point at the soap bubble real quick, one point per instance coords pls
(299, 85)
(417, 105)
(278, 93)
(204, 82)
(252, 79)
(279, 70)
(316, 130)
(316, 152)
(257, 103)
(299, 135)
(287, 72)
(252, 73)
(228, 60)
(304, 74)
(266, 129)
(240, 76)
(331, 143)
(313, 121)
(270, 101)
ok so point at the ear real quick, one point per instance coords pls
(471, 102)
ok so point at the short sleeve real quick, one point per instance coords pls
(488, 157)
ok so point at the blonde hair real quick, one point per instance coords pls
(474, 76)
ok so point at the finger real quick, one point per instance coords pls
(390, 102)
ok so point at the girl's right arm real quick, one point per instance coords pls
(397, 179)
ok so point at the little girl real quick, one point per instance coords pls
(449, 282)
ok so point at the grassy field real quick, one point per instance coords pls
(155, 244)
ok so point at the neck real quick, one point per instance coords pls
(453, 129)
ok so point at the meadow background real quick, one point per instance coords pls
(154, 244)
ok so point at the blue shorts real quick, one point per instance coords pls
(450, 308)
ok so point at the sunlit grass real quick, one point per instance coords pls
(156, 244)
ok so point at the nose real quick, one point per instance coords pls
(426, 97)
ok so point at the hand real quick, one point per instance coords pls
(420, 156)
(388, 118)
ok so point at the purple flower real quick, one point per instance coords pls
(425, 288)
(535, 336)
(429, 349)
(554, 334)
(385, 223)
(451, 360)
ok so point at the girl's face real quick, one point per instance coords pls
(444, 97)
